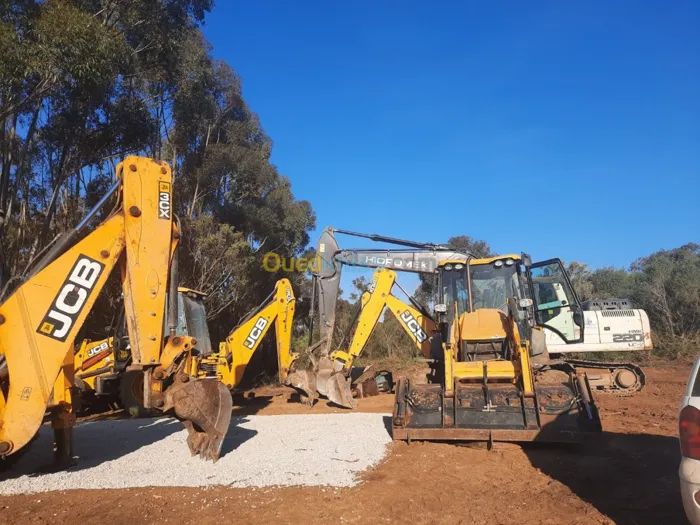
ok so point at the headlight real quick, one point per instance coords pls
(448, 267)
(509, 262)
(498, 264)
(459, 266)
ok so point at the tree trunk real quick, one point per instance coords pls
(51, 210)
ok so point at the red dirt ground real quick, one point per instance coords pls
(628, 475)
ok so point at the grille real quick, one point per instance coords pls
(617, 313)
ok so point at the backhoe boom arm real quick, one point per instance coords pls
(417, 325)
(40, 320)
(240, 345)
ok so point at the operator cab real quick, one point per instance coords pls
(493, 281)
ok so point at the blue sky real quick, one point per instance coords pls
(564, 129)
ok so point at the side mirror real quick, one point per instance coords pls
(441, 308)
(578, 318)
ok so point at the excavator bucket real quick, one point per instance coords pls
(333, 384)
(323, 380)
(338, 390)
(204, 407)
(304, 381)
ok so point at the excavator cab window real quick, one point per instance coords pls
(556, 304)
(453, 287)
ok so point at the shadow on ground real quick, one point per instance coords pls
(631, 478)
(97, 442)
(387, 425)
(249, 404)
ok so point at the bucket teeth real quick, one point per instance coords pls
(204, 406)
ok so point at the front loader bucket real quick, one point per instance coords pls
(204, 407)
(493, 412)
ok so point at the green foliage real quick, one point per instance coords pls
(666, 284)
(611, 282)
(83, 83)
(466, 244)
(580, 279)
(427, 290)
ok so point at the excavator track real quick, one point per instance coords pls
(621, 379)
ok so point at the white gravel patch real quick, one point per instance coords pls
(259, 451)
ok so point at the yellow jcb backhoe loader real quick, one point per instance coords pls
(102, 372)
(496, 382)
(236, 352)
(97, 375)
(40, 319)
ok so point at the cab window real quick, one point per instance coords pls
(493, 284)
(453, 288)
(556, 305)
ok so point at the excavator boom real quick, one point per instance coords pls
(417, 258)
(37, 328)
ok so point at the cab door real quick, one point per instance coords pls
(556, 305)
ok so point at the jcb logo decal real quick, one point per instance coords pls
(69, 302)
(95, 354)
(97, 349)
(414, 326)
(255, 333)
(164, 200)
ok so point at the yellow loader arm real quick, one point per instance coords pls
(93, 354)
(418, 325)
(40, 320)
(332, 375)
(92, 359)
(240, 345)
